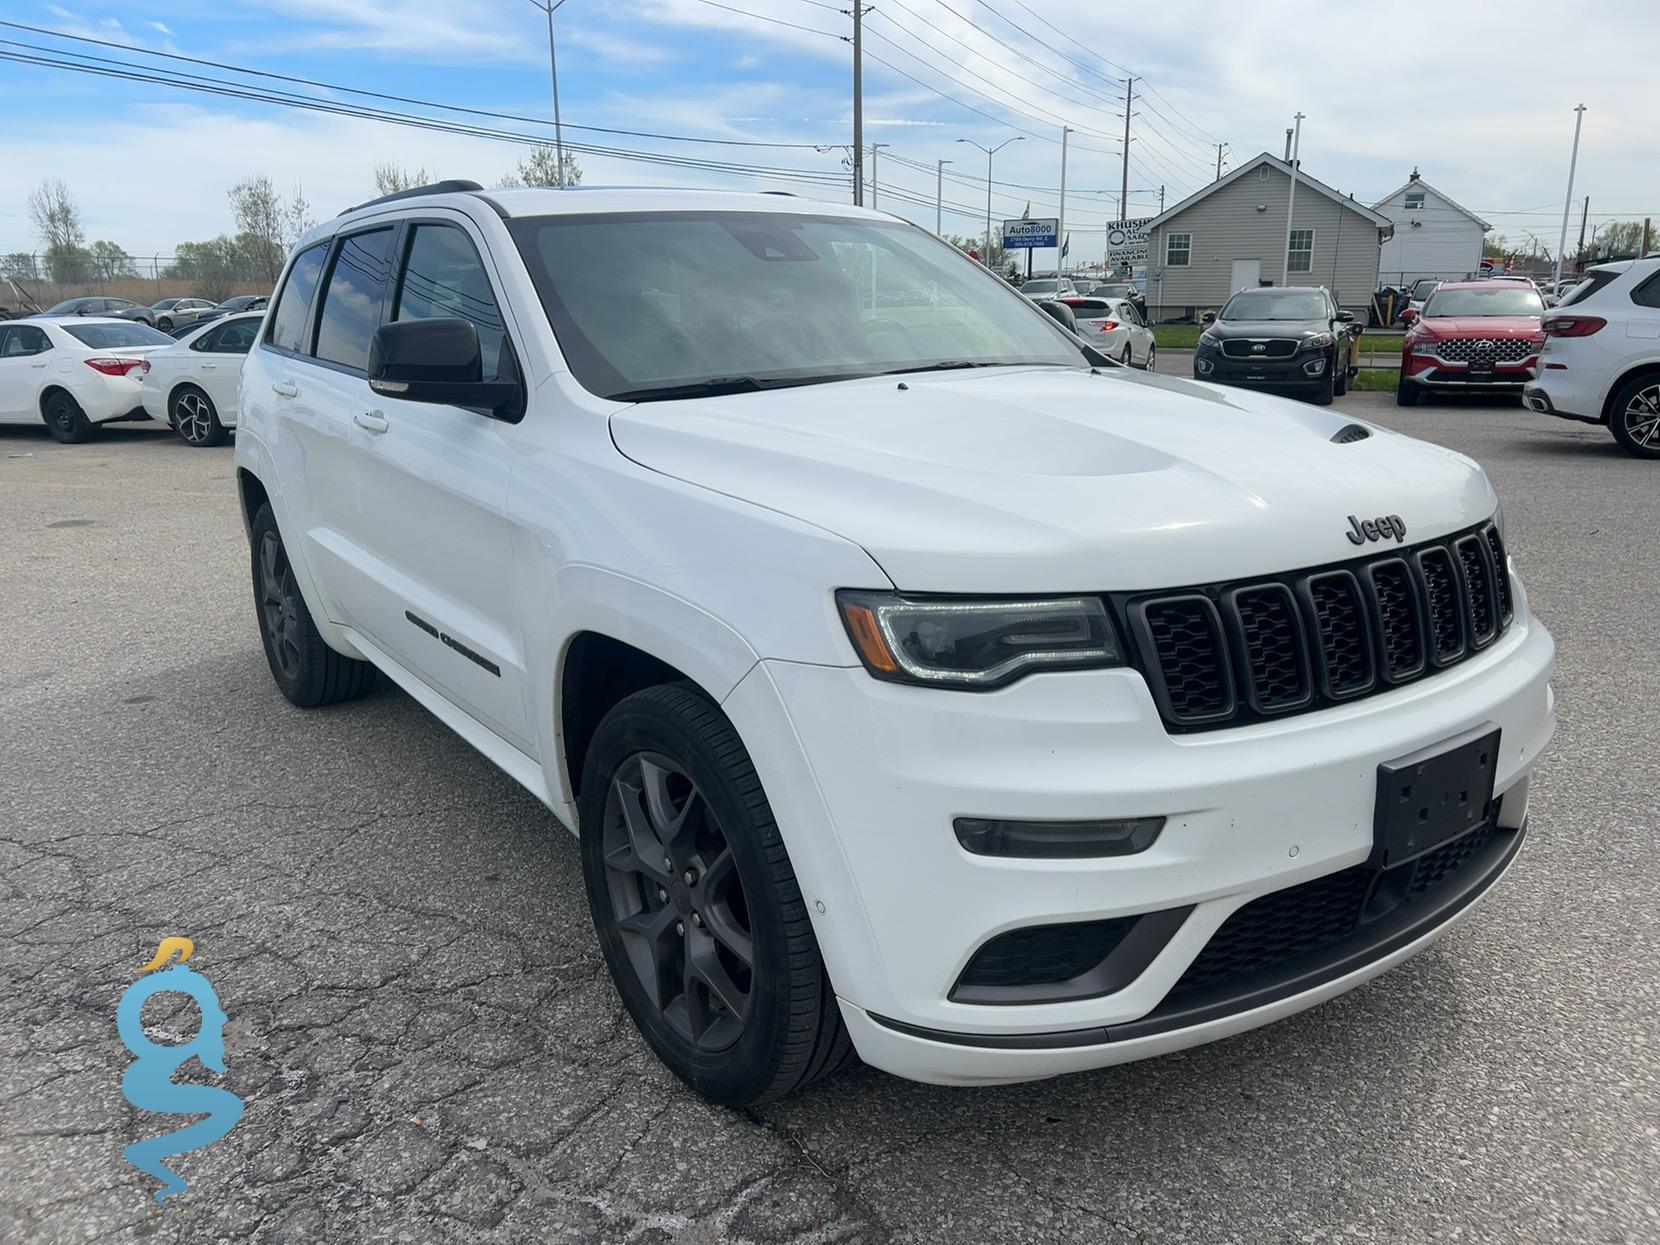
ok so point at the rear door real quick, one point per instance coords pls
(220, 369)
(25, 350)
(440, 595)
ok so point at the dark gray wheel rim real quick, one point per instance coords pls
(279, 604)
(677, 902)
(61, 411)
(193, 416)
(1642, 417)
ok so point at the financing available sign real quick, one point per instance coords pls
(1127, 241)
(1023, 235)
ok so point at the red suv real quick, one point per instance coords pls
(1473, 335)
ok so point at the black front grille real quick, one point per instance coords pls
(1044, 954)
(1271, 348)
(1272, 932)
(1226, 654)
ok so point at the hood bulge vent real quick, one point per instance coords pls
(1350, 432)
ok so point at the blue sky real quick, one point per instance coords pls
(1384, 90)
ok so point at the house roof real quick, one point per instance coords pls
(1423, 185)
(1303, 179)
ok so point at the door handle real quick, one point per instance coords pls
(374, 421)
(42, 363)
(210, 367)
(285, 388)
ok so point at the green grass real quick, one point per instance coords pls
(1186, 337)
(1375, 380)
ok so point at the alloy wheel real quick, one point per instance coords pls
(1152, 358)
(1642, 417)
(62, 413)
(193, 417)
(677, 901)
(279, 603)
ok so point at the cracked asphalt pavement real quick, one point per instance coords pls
(429, 1050)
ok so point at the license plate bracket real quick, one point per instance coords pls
(1434, 795)
(1481, 373)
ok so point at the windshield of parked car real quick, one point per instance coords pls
(67, 307)
(1500, 300)
(166, 304)
(650, 305)
(1113, 291)
(1040, 285)
(1275, 305)
(115, 336)
(1424, 285)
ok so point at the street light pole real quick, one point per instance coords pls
(985, 258)
(858, 104)
(1291, 199)
(548, 6)
(1060, 222)
(939, 197)
(1568, 202)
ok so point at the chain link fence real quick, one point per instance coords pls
(204, 271)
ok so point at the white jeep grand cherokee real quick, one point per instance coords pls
(919, 683)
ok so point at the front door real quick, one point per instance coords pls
(1246, 275)
(25, 350)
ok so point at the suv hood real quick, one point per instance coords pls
(1017, 480)
(1267, 328)
(1481, 326)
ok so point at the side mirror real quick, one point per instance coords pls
(1208, 318)
(1347, 317)
(434, 361)
(1408, 316)
(1062, 315)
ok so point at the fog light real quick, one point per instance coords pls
(1205, 366)
(1057, 839)
(1315, 367)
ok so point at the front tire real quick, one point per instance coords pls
(164, 325)
(697, 909)
(1340, 375)
(1406, 392)
(195, 418)
(307, 671)
(1634, 417)
(65, 419)
(1327, 390)
(1152, 359)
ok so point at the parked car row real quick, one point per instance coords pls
(78, 372)
(169, 315)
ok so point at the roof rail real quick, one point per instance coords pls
(455, 185)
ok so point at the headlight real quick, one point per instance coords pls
(975, 645)
(1207, 338)
(1318, 341)
(1498, 523)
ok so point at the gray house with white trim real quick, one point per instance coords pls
(1434, 237)
(1231, 236)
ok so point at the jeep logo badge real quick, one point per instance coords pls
(1380, 528)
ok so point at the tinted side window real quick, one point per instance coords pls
(23, 339)
(208, 341)
(353, 297)
(236, 338)
(1648, 293)
(287, 331)
(443, 277)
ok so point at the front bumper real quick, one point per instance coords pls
(1289, 375)
(1437, 374)
(865, 779)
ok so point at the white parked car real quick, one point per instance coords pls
(73, 374)
(1601, 358)
(1115, 328)
(1040, 289)
(913, 687)
(192, 384)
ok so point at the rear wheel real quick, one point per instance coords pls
(1128, 357)
(307, 670)
(65, 419)
(1634, 417)
(697, 910)
(165, 324)
(1406, 392)
(1152, 358)
(195, 418)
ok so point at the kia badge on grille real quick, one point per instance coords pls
(1380, 528)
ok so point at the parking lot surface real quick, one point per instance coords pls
(429, 1049)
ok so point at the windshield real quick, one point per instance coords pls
(1276, 305)
(1422, 287)
(1040, 286)
(115, 336)
(651, 305)
(67, 307)
(1113, 291)
(1501, 300)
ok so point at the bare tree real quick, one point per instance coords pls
(539, 168)
(111, 263)
(391, 178)
(57, 220)
(257, 209)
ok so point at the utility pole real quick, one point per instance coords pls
(1648, 230)
(1124, 190)
(1060, 223)
(1567, 203)
(858, 103)
(939, 197)
(874, 148)
(548, 6)
(1584, 216)
(1161, 200)
(1291, 199)
(1219, 147)
(985, 256)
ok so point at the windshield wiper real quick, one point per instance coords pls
(952, 365)
(717, 385)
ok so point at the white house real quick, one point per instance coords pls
(1434, 237)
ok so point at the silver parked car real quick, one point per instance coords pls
(173, 313)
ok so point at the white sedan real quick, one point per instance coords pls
(192, 384)
(1115, 328)
(73, 374)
